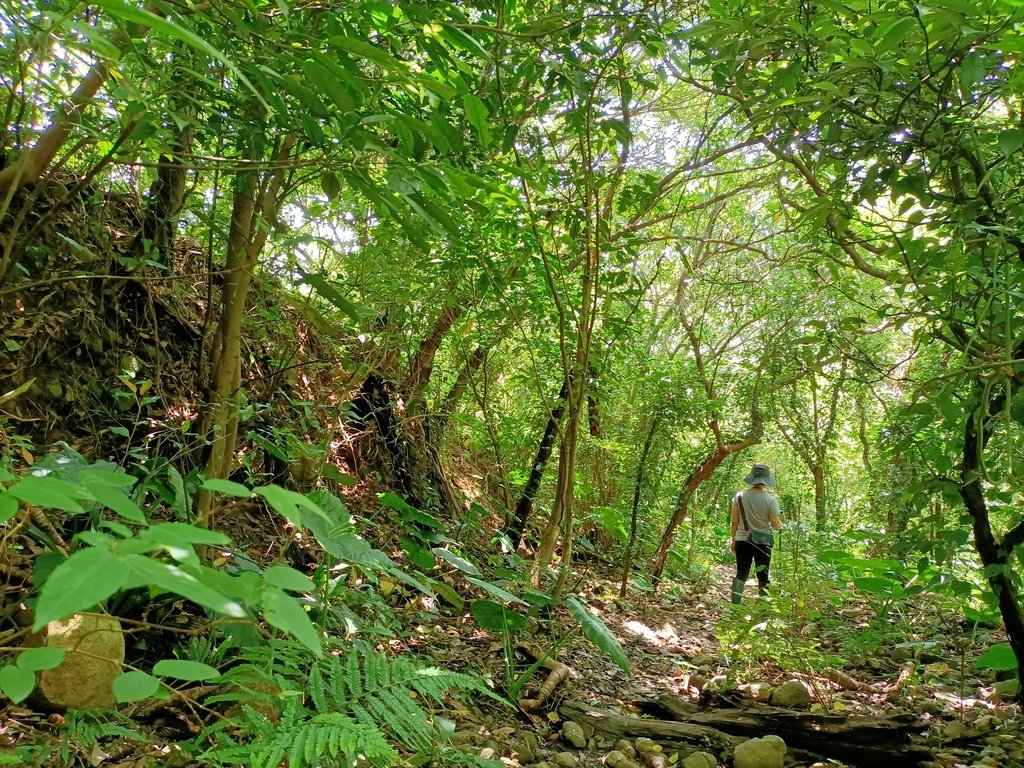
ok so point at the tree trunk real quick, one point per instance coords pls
(706, 468)
(251, 206)
(818, 473)
(422, 363)
(166, 200)
(547, 443)
(995, 555)
(641, 469)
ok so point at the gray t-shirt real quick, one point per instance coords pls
(760, 507)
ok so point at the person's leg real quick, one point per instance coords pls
(744, 559)
(762, 555)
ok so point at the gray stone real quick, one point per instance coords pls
(616, 759)
(700, 760)
(646, 746)
(759, 692)
(573, 733)
(766, 752)
(565, 760)
(954, 730)
(626, 747)
(462, 738)
(791, 694)
(526, 747)
(94, 647)
(487, 753)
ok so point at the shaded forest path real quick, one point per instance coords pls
(689, 643)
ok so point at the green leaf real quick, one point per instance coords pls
(476, 113)
(369, 52)
(459, 562)
(1010, 141)
(178, 32)
(496, 591)
(39, 659)
(111, 479)
(86, 578)
(494, 617)
(183, 535)
(288, 578)
(325, 81)
(49, 492)
(330, 185)
(8, 507)
(598, 633)
(357, 312)
(16, 683)
(172, 578)
(284, 612)
(182, 669)
(289, 503)
(998, 656)
(135, 686)
(227, 487)
(115, 500)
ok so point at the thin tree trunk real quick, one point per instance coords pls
(547, 443)
(818, 473)
(246, 239)
(641, 471)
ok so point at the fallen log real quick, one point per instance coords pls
(857, 740)
(670, 735)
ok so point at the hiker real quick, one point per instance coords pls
(754, 514)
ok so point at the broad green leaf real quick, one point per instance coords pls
(418, 554)
(290, 504)
(284, 612)
(598, 633)
(288, 578)
(135, 686)
(49, 492)
(172, 578)
(183, 535)
(476, 113)
(183, 669)
(496, 591)
(86, 578)
(39, 659)
(8, 507)
(227, 487)
(91, 476)
(495, 617)
(459, 562)
(998, 656)
(322, 79)
(116, 500)
(16, 683)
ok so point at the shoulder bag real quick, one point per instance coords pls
(756, 537)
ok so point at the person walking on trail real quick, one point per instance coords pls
(755, 513)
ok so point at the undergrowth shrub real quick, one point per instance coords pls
(346, 708)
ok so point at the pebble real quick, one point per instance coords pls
(626, 747)
(565, 760)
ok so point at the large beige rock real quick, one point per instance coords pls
(94, 645)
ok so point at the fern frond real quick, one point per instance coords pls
(87, 729)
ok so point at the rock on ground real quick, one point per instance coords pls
(700, 760)
(791, 694)
(766, 752)
(94, 646)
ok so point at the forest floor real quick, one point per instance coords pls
(694, 645)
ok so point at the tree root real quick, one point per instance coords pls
(558, 674)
